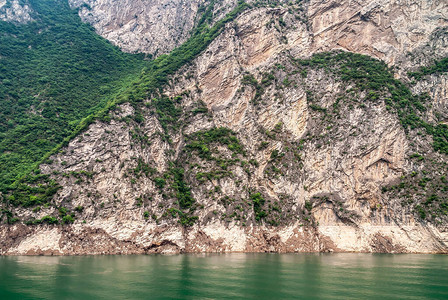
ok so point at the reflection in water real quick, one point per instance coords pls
(207, 276)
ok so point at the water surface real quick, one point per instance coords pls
(226, 276)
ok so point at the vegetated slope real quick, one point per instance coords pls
(150, 81)
(54, 71)
(248, 147)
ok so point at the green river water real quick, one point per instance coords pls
(226, 276)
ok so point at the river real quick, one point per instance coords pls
(226, 276)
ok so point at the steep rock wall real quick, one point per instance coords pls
(319, 170)
(383, 29)
(154, 27)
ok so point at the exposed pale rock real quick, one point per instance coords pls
(154, 27)
(44, 242)
(383, 29)
(437, 88)
(15, 11)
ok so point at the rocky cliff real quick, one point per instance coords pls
(153, 27)
(15, 11)
(280, 136)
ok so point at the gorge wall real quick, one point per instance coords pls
(273, 139)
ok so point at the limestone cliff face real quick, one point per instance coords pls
(153, 27)
(384, 29)
(308, 163)
(15, 11)
(380, 28)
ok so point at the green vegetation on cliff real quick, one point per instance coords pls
(376, 79)
(423, 191)
(439, 66)
(54, 72)
(58, 76)
(54, 87)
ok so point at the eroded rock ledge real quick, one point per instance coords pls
(215, 238)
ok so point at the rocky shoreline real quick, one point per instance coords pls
(85, 240)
